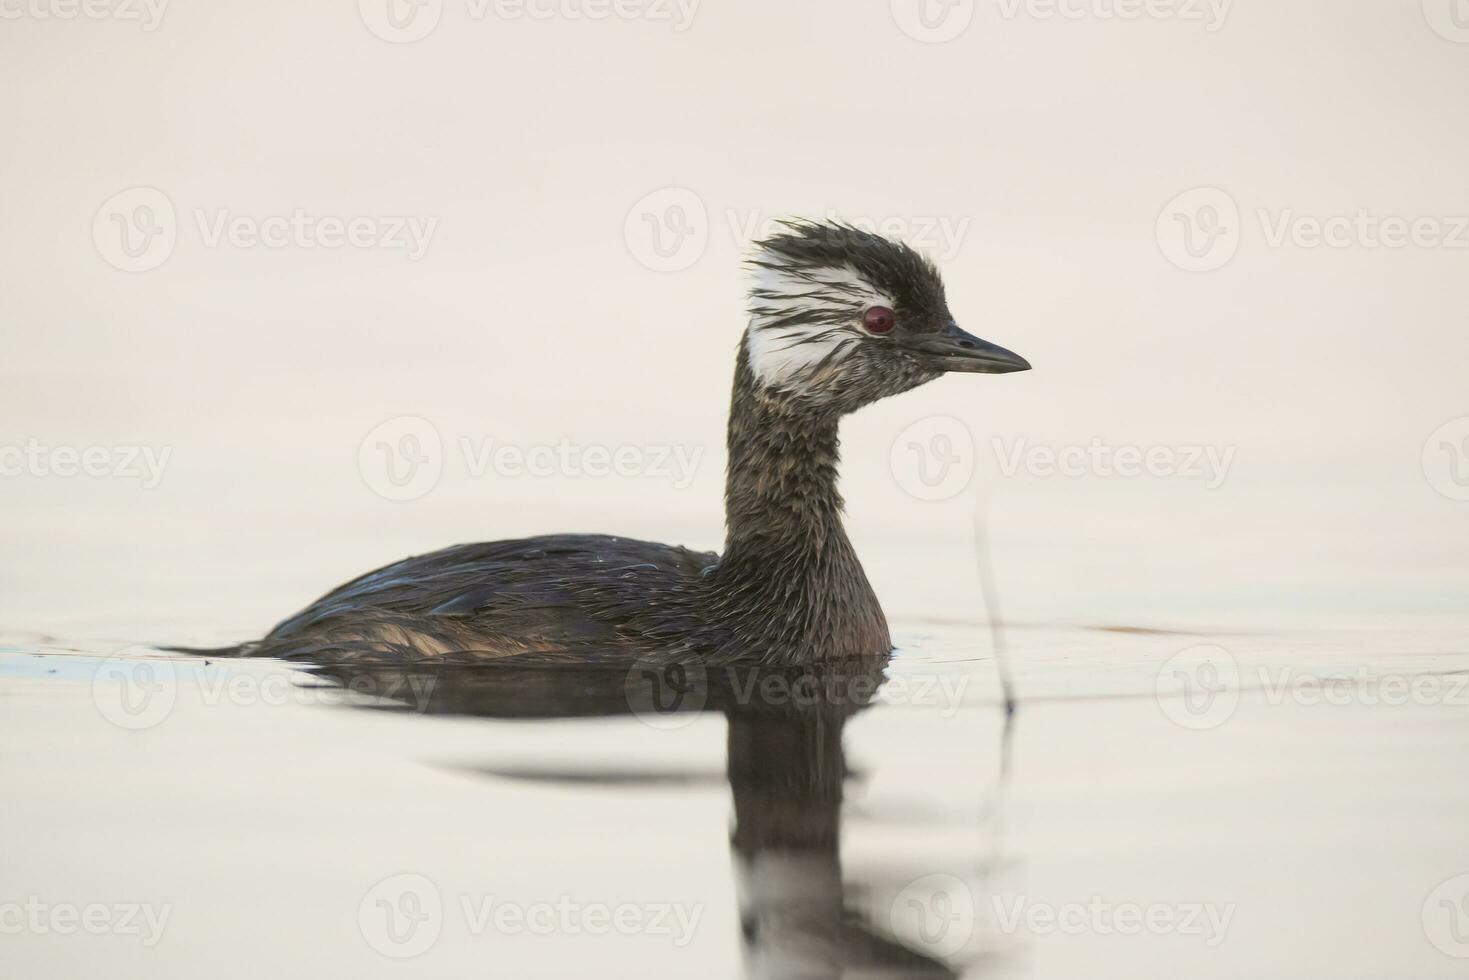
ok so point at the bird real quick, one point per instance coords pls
(838, 318)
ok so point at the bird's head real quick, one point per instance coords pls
(840, 317)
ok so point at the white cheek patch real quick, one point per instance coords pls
(800, 318)
(778, 359)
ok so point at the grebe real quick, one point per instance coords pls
(839, 318)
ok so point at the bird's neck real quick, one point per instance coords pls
(789, 578)
(780, 493)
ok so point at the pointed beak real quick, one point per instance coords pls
(951, 349)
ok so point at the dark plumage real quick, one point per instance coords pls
(789, 588)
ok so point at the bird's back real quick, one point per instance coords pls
(557, 596)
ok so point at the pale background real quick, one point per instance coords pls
(534, 317)
(1055, 144)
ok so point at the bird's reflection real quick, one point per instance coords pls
(785, 767)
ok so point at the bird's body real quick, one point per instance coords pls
(839, 319)
(557, 596)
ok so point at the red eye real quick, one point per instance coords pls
(879, 319)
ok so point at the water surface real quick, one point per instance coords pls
(1255, 818)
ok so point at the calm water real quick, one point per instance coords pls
(1162, 804)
